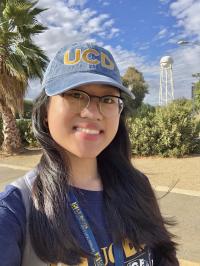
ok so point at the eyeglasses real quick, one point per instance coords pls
(109, 105)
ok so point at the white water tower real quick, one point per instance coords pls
(166, 92)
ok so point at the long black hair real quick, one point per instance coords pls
(130, 203)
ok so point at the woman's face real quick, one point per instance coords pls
(83, 133)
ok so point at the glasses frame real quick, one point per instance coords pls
(90, 96)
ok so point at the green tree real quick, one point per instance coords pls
(196, 92)
(28, 106)
(20, 59)
(134, 80)
(196, 75)
(197, 96)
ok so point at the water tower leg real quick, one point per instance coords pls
(166, 86)
(172, 83)
(161, 87)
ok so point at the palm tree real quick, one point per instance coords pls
(20, 60)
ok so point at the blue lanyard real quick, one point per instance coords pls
(89, 236)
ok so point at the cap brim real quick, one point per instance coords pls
(65, 83)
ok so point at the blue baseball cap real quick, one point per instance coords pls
(81, 64)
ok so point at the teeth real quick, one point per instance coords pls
(88, 131)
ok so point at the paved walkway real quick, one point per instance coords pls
(163, 175)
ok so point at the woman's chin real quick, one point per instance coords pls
(83, 154)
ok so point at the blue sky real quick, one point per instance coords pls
(138, 33)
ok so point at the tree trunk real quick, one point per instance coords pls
(12, 140)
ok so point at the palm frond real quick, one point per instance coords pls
(36, 10)
(36, 60)
(14, 66)
(27, 31)
(8, 38)
(37, 28)
(33, 50)
(19, 13)
(20, 57)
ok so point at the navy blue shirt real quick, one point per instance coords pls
(13, 225)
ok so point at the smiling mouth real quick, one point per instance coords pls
(88, 131)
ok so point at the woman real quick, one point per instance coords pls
(87, 204)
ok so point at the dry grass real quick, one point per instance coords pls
(188, 263)
(168, 171)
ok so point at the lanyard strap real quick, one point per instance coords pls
(89, 236)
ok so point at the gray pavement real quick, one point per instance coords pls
(182, 204)
(185, 210)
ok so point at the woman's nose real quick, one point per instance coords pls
(92, 110)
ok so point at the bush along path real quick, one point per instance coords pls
(170, 131)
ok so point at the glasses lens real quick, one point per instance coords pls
(76, 100)
(111, 105)
(108, 105)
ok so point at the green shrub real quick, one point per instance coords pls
(26, 132)
(177, 129)
(28, 106)
(143, 135)
(25, 128)
(197, 139)
(145, 110)
(170, 131)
